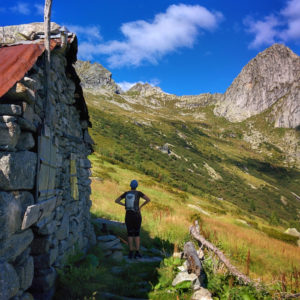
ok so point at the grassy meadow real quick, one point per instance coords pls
(167, 218)
(238, 180)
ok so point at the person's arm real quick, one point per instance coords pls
(147, 200)
(119, 199)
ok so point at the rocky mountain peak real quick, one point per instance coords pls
(271, 80)
(95, 77)
(146, 89)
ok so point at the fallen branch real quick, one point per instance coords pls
(195, 232)
(194, 264)
(289, 296)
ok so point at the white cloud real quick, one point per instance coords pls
(125, 85)
(282, 27)
(89, 33)
(21, 8)
(146, 41)
(39, 9)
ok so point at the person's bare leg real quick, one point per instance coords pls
(130, 243)
(137, 241)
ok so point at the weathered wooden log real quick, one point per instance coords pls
(47, 29)
(195, 232)
(193, 261)
(289, 296)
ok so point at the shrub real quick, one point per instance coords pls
(273, 233)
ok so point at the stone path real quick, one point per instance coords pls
(113, 248)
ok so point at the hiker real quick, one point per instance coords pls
(133, 218)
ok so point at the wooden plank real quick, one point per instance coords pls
(73, 178)
(37, 212)
(44, 177)
(45, 148)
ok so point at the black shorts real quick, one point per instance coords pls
(133, 221)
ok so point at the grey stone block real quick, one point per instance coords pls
(26, 296)
(26, 125)
(10, 110)
(85, 163)
(106, 238)
(41, 245)
(15, 245)
(26, 141)
(45, 261)
(48, 295)
(46, 228)
(25, 273)
(44, 282)
(10, 133)
(17, 170)
(9, 281)
(63, 230)
(109, 245)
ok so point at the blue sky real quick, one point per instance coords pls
(185, 47)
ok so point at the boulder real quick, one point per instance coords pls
(63, 230)
(10, 110)
(26, 141)
(184, 276)
(202, 294)
(12, 209)
(117, 256)
(15, 245)
(25, 273)
(10, 133)
(109, 245)
(44, 281)
(106, 238)
(9, 281)
(17, 170)
(293, 232)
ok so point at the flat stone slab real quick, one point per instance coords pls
(202, 294)
(106, 238)
(109, 245)
(184, 276)
(109, 222)
(143, 259)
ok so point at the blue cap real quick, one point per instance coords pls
(134, 184)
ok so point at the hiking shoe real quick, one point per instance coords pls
(130, 255)
(137, 254)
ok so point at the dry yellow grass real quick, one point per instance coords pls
(168, 218)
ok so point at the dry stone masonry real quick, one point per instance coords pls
(44, 171)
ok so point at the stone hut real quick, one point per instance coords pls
(44, 170)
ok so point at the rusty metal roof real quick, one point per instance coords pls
(17, 60)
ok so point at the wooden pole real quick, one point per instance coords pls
(47, 30)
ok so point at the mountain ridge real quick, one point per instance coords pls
(271, 80)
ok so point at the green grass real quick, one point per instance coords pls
(219, 145)
(251, 186)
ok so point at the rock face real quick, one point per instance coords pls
(19, 33)
(146, 89)
(95, 76)
(270, 80)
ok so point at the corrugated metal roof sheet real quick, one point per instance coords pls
(16, 61)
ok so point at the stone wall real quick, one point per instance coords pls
(40, 227)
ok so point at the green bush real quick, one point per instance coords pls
(273, 233)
